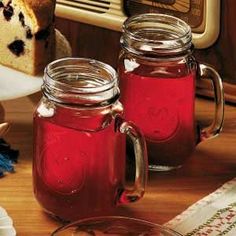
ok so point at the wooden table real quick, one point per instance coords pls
(167, 194)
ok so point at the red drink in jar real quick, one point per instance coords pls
(79, 142)
(76, 169)
(164, 110)
(158, 73)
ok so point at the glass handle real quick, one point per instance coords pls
(207, 72)
(141, 163)
(4, 127)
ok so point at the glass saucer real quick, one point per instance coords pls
(113, 226)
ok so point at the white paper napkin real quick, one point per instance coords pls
(6, 224)
(214, 215)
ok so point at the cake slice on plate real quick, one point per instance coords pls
(27, 34)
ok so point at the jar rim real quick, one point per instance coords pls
(84, 81)
(49, 77)
(169, 33)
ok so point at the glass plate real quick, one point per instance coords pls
(15, 84)
(113, 226)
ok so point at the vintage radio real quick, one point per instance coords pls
(94, 28)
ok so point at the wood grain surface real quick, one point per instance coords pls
(167, 194)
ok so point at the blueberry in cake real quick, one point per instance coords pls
(27, 34)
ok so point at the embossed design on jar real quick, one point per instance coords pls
(62, 169)
(165, 120)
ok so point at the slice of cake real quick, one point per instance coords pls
(27, 34)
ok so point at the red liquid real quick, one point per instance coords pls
(76, 173)
(163, 108)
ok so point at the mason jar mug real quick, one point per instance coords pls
(79, 142)
(158, 74)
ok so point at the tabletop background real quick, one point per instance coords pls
(167, 194)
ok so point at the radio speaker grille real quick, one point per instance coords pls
(104, 13)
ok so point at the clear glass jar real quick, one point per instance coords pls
(158, 74)
(79, 148)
